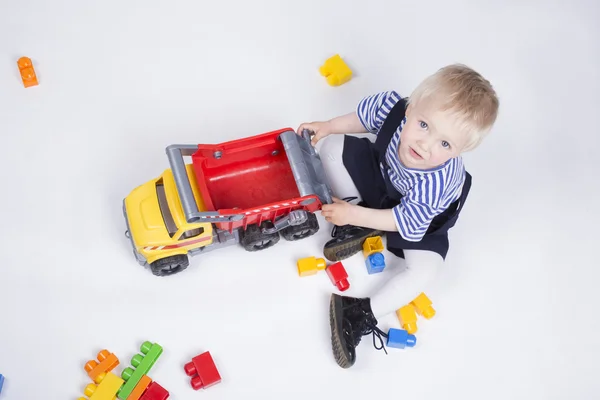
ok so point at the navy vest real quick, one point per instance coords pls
(362, 159)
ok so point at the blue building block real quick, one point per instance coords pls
(400, 339)
(1, 382)
(375, 263)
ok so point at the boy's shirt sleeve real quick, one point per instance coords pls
(418, 208)
(374, 109)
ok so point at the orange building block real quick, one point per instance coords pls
(107, 361)
(140, 388)
(408, 318)
(27, 72)
(423, 306)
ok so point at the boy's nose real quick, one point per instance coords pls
(424, 146)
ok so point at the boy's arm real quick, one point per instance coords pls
(349, 123)
(382, 220)
(369, 115)
(373, 110)
(411, 218)
(367, 118)
(399, 219)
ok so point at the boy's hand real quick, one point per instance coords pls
(339, 213)
(320, 129)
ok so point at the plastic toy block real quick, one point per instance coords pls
(399, 339)
(423, 306)
(107, 361)
(108, 385)
(155, 392)
(1, 382)
(408, 318)
(335, 71)
(140, 388)
(310, 265)
(203, 371)
(142, 364)
(372, 245)
(27, 72)
(338, 275)
(375, 263)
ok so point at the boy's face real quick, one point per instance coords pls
(429, 138)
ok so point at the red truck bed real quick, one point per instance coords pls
(245, 174)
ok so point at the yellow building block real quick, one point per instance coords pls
(408, 318)
(310, 265)
(108, 386)
(423, 306)
(372, 245)
(336, 71)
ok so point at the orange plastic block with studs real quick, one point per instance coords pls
(408, 318)
(107, 361)
(27, 72)
(372, 245)
(335, 71)
(423, 306)
(310, 265)
(140, 388)
(106, 389)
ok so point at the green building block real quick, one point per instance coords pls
(142, 364)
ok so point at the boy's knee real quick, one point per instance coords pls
(423, 261)
(331, 147)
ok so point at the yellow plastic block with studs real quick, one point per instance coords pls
(408, 318)
(310, 265)
(372, 245)
(106, 387)
(423, 306)
(335, 71)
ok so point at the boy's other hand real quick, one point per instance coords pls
(320, 130)
(339, 213)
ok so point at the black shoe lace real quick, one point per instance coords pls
(377, 333)
(365, 329)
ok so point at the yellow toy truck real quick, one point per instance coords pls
(249, 191)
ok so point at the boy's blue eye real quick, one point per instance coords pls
(445, 144)
(423, 124)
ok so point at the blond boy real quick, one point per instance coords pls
(411, 184)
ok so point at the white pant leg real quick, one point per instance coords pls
(422, 267)
(330, 150)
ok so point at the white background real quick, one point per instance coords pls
(120, 80)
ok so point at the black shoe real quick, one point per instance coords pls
(347, 241)
(350, 319)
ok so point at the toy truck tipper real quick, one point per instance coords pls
(247, 191)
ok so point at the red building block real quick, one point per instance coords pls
(338, 275)
(155, 392)
(203, 371)
(107, 361)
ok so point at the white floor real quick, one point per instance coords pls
(120, 81)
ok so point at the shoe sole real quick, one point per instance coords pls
(341, 251)
(338, 344)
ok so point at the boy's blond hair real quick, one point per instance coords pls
(464, 93)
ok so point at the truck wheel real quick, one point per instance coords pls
(170, 265)
(254, 240)
(309, 228)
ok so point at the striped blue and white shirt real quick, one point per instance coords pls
(426, 193)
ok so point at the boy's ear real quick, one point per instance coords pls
(408, 108)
